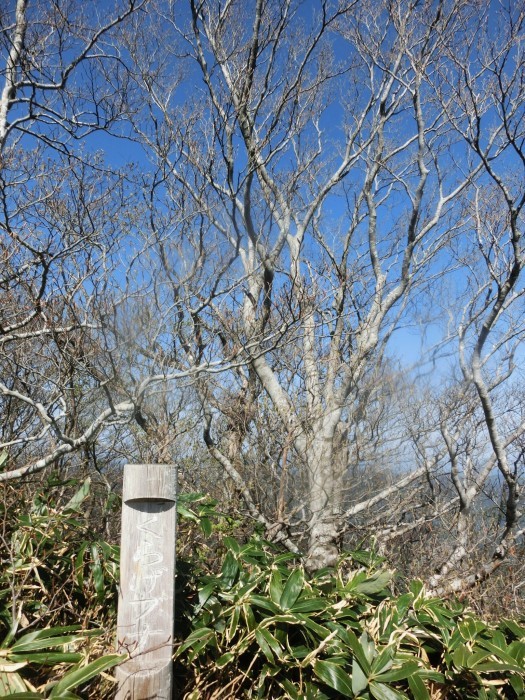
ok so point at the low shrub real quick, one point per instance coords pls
(251, 622)
(58, 594)
(263, 628)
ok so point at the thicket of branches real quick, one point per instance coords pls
(221, 222)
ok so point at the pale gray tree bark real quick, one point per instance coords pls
(306, 176)
(260, 166)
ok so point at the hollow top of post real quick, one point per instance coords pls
(149, 482)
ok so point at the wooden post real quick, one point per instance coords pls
(147, 582)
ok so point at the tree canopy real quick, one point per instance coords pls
(292, 229)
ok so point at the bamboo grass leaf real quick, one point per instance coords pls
(334, 676)
(418, 688)
(80, 676)
(384, 692)
(73, 505)
(292, 589)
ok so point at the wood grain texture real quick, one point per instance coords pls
(147, 582)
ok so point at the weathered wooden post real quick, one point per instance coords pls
(147, 582)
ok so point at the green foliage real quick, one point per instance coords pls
(263, 628)
(44, 539)
(254, 623)
(58, 587)
(57, 594)
(49, 647)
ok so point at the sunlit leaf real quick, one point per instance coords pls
(11, 666)
(45, 639)
(264, 646)
(10, 683)
(79, 676)
(232, 627)
(80, 496)
(517, 651)
(398, 674)
(495, 667)
(385, 692)
(79, 564)
(98, 574)
(231, 543)
(292, 589)
(202, 634)
(276, 586)
(230, 569)
(383, 661)
(272, 642)
(374, 584)
(460, 657)
(310, 624)
(225, 659)
(249, 617)
(357, 649)
(309, 605)
(260, 601)
(518, 685)
(417, 588)
(289, 687)
(204, 595)
(470, 628)
(334, 676)
(498, 648)
(206, 526)
(359, 678)
(47, 658)
(184, 512)
(418, 688)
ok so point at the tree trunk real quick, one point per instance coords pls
(325, 490)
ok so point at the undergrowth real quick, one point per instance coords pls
(250, 621)
(262, 628)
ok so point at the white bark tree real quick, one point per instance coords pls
(479, 413)
(65, 213)
(306, 175)
(321, 156)
(487, 110)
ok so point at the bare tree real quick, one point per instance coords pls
(318, 159)
(64, 215)
(308, 174)
(481, 420)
